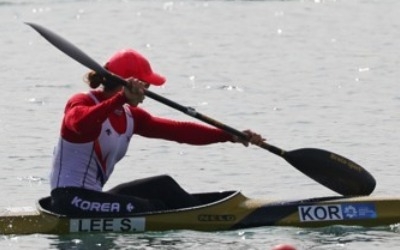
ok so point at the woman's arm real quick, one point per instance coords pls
(83, 117)
(182, 132)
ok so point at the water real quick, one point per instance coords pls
(302, 73)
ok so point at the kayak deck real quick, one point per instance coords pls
(227, 210)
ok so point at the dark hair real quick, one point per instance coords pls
(94, 80)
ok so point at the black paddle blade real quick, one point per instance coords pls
(333, 171)
(68, 48)
(75, 53)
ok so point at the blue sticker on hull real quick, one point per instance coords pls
(358, 211)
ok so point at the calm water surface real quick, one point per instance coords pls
(318, 74)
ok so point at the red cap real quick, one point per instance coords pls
(130, 63)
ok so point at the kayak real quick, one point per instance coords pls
(227, 210)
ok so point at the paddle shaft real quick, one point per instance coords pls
(87, 61)
(190, 111)
(193, 113)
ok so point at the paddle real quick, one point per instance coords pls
(329, 169)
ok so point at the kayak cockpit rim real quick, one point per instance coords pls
(207, 200)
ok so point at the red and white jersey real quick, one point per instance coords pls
(96, 131)
(89, 165)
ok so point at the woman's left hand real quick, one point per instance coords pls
(252, 138)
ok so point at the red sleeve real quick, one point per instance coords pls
(83, 118)
(182, 132)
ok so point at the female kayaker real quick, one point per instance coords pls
(95, 133)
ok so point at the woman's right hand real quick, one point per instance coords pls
(134, 91)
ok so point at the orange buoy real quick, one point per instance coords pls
(284, 247)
